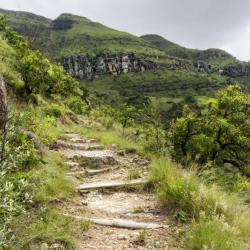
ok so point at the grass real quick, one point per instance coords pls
(139, 209)
(215, 233)
(109, 137)
(168, 85)
(141, 238)
(53, 183)
(218, 217)
(85, 225)
(134, 174)
(41, 225)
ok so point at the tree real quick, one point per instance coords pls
(221, 133)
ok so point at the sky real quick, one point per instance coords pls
(199, 24)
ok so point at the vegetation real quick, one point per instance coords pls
(31, 176)
(55, 37)
(131, 111)
(220, 133)
(213, 56)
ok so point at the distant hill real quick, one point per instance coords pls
(212, 56)
(72, 35)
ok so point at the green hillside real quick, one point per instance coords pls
(71, 35)
(212, 56)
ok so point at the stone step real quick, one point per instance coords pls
(72, 164)
(103, 157)
(77, 146)
(110, 184)
(89, 171)
(121, 223)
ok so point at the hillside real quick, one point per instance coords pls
(212, 56)
(73, 35)
(69, 35)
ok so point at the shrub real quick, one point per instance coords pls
(55, 110)
(76, 105)
(219, 134)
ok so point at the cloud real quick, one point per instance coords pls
(192, 23)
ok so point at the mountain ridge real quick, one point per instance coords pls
(152, 43)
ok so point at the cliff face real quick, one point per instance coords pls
(88, 67)
(237, 70)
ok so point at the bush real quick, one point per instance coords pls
(219, 134)
(55, 110)
(76, 105)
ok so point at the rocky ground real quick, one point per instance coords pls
(111, 206)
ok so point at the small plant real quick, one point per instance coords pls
(85, 225)
(138, 209)
(133, 174)
(141, 238)
(55, 110)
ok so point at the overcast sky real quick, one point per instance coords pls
(199, 24)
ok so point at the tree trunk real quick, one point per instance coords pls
(3, 105)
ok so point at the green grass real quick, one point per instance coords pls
(215, 234)
(220, 220)
(53, 183)
(216, 57)
(40, 226)
(81, 37)
(159, 84)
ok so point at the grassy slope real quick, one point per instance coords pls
(213, 56)
(81, 37)
(85, 36)
(159, 83)
(48, 178)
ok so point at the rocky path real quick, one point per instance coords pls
(111, 205)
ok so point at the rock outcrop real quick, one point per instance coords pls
(83, 67)
(237, 70)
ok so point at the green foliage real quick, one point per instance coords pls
(85, 225)
(37, 74)
(43, 225)
(16, 187)
(218, 218)
(220, 133)
(55, 110)
(76, 105)
(215, 234)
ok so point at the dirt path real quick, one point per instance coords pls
(123, 202)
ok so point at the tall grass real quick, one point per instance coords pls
(220, 220)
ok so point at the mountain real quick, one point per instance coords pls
(213, 56)
(73, 35)
(87, 49)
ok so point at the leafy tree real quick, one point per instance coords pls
(39, 75)
(221, 133)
